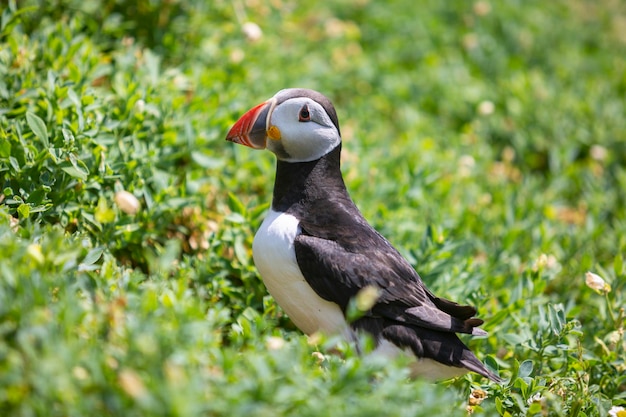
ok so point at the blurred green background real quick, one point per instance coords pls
(486, 140)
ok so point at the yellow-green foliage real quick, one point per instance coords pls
(485, 139)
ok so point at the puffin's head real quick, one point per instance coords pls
(297, 124)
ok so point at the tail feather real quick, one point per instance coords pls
(462, 312)
(442, 347)
(472, 327)
(472, 363)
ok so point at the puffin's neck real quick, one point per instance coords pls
(297, 182)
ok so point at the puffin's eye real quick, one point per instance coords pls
(304, 115)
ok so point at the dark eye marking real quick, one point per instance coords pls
(304, 115)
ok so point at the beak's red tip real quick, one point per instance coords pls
(242, 129)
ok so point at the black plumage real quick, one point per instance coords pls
(339, 253)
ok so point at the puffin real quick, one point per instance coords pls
(315, 252)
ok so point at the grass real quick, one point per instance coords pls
(486, 140)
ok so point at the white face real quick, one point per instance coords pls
(306, 131)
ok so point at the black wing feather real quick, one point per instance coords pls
(337, 273)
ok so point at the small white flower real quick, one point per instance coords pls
(237, 55)
(476, 397)
(617, 411)
(486, 108)
(275, 343)
(535, 398)
(614, 337)
(470, 41)
(599, 153)
(482, 8)
(127, 202)
(597, 283)
(182, 82)
(508, 154)
(319, 357)
(132, 384)
(252, 31)
(545, 262)
(80, 373)
(140, 106)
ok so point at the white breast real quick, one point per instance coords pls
(275, 258)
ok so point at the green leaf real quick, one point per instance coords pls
(38, 127)
(10, 17)
(5, 148)
(104, 214)
(236, 205)
(68, 136)
(235, 218)
(557, 318)
(93, 256)
(525, 368)
(14, 164)
(71, 94)
(535, 408)
(167, 256)
(491, 362)
(206, 161)
(74, 170)
(499, 406)
(23, 210)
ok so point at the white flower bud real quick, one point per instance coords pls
(252, 31)
(319, 357)
(597, 283)
(486, 108)
(140, 106)
(127, 202)
(275, 343)
(599, 153)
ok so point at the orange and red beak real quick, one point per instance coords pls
(251, 128)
